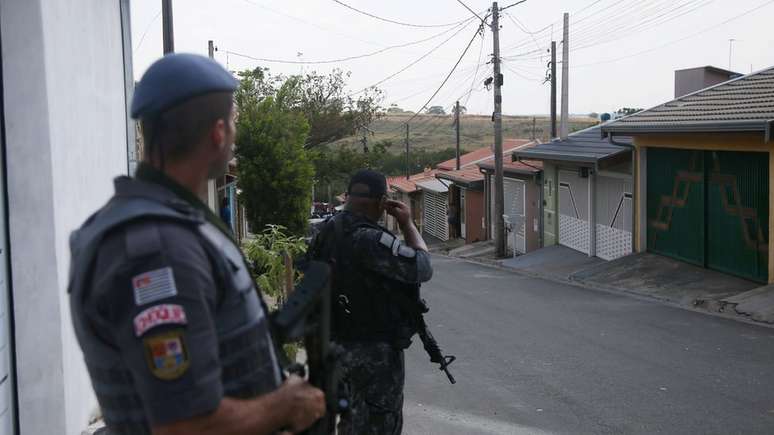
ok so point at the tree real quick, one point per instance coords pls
(594, 115)
(275, 171)
(436, 110)
(394, 109)
(628, 110)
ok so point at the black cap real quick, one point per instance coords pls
(375, 181)
(178, 77)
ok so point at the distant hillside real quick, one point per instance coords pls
(436, 132)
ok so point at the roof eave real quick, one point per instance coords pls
(554, 157)
(703, 127)
(490, 168)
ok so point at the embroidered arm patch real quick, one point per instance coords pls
(167, 355)
(153, 286)
(158, 315)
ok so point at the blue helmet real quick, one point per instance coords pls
(176, 78)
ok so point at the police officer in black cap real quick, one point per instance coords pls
(376, 277)
(174, 334)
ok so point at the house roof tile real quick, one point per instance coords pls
(745, 103)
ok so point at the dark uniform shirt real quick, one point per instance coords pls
(167, 330)
(371, 268)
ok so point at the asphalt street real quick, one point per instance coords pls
(539, 357)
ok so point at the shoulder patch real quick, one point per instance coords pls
(391, 242)
(407, 251)
(153, 286)
(167, 355)
(158, 315)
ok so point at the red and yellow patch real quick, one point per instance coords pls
(167, 355)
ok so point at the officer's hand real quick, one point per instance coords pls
(400, 211)
(306, 403)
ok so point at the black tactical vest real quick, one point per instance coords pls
(247, 355)
(366, 305)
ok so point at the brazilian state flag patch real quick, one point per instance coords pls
(167, 355)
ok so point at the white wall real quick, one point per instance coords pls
(65, 141)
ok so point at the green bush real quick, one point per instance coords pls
(266, 251)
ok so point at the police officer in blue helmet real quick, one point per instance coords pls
(174, 333)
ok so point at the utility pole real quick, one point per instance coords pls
(457, 127)
(564, 128)
(533, 128)
(499, 198)
(553, 89)
(168, 27)
(730, 47)
(408, 162)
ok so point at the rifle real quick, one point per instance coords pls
(429, 343)
(306, 314)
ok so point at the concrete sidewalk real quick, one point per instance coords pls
(653, 276)
(557, 262)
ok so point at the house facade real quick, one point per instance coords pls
(587, 193)
(443, 197)
(702, 176)
(522, 195)
(66, 81)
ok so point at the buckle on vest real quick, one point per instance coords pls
(343, 301)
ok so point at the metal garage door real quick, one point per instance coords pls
(676, 204)
(515, 198)
(613, 217)
(435, 218)
(574, 211)
(514, 207)
(710, 208)
(738, 213)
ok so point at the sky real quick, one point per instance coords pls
(623, 53)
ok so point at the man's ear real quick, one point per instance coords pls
(218, 133)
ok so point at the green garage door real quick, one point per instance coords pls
(710, 208)
(676, 204)
(738, 213)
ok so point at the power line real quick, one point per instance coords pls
(450, 73)
(310, 23)
(400, 23)
(705, 30)
(413, 62)
(478, 65)
(343, 59)
(483, 21)
(145, 33)
(512, 5)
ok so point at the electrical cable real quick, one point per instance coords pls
(145, 33)
(512, 5)
(450, 74)
(413, 62)
(705, 30)
(483, 20)
(343, 59)
(400, 23)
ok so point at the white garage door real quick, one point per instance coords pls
(514, 194)
(614, 217)
(435, 218)
(574, 211)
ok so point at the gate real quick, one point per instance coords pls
(574, 211)
(613, 217)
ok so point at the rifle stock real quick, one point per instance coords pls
(307, 315)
